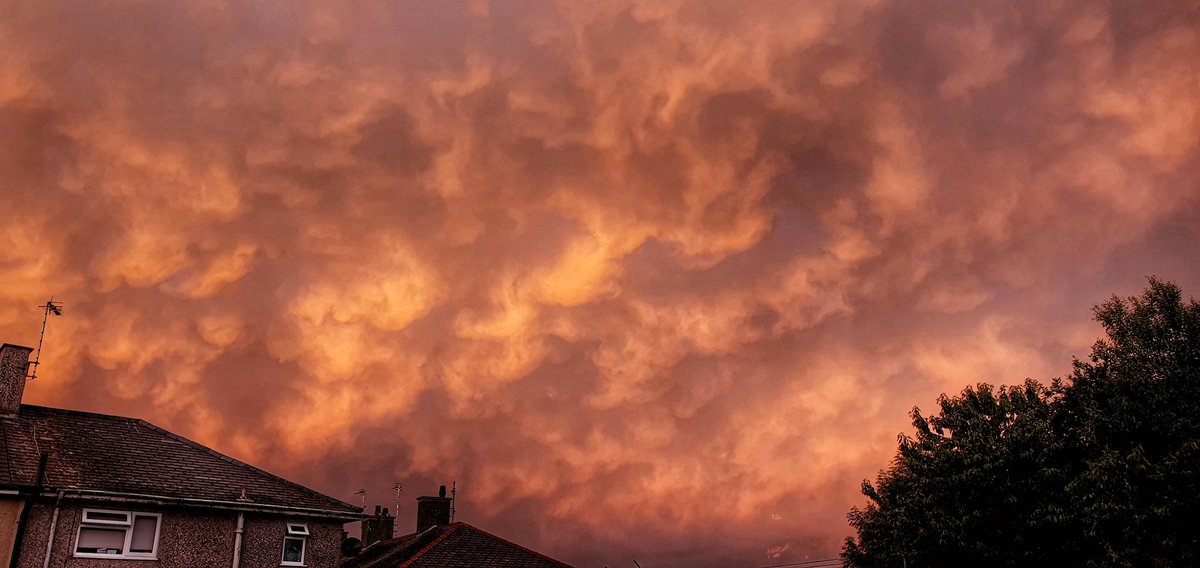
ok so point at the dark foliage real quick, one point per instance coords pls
(1099, 469)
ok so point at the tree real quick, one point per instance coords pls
(1101, 468)
(1130, 420)
(976, 483)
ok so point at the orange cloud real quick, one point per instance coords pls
(666, 275)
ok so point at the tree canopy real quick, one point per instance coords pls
(1101, 468)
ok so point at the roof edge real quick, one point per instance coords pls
(198, 446)
(449, 530)
(511, 543)
(237, 462)
(114, 496)
(83, 412)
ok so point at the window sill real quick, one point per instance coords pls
(113, 556)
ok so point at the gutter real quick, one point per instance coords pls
(118, 497)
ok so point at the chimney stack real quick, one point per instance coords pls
(378, 527)
(14, 365)
(433, 511)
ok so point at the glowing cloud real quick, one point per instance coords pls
(653, 280)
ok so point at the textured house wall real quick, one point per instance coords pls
(262, 544)
(10, 512)
(188, 539)
(33, 547)
(14, 362)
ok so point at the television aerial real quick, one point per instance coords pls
(50, 307)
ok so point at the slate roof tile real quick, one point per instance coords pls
(457, 545)
(99, 452)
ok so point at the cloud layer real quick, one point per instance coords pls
(649, 280)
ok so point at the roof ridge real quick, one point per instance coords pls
(193, 444)
(511, 543)
(197, 445)
(450, 529)
(392, 549)
(52, 409)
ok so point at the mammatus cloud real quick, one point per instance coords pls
(650, 280)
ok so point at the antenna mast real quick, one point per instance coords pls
(397, 487)
(453, 493)
(50, 307)
(362, 503)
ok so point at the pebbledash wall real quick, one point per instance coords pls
(188, 538)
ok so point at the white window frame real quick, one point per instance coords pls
(127, 525)
(294, 531)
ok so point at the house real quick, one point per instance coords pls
(87, 490)
(439, 543)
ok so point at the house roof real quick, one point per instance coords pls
(457, 545)
(103, 455)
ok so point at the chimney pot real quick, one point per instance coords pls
(442, 491)
(377, 528)
(14, 365)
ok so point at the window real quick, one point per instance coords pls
(293, 544)
(117, 534)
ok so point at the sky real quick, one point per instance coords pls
(648, 280)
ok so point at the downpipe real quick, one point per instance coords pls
(53, 529)
(237, 541)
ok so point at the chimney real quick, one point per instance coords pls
(14, 364)
(378, 527)
(433, 511)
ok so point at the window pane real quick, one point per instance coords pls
(106, 517)
(293, 549)
(101, 541)
(143, 534)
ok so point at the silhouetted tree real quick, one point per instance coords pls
(1101, 468)
(1130, 418)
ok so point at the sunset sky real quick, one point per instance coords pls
(649, 280)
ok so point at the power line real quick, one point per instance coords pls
(818, 563)
(822, 563)
(837, 563)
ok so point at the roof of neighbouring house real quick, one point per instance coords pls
(456, 545)
(101, 454)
